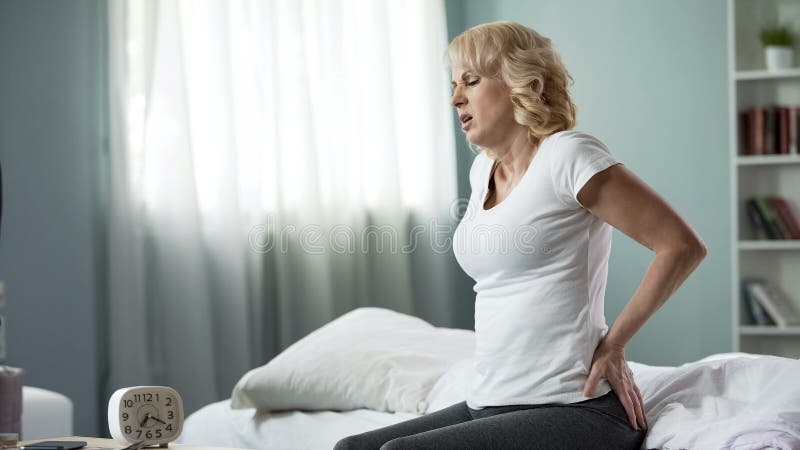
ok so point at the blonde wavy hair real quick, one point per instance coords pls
(529, 66)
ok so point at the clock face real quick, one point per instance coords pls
(149, 413)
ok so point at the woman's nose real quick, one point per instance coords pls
(457, 100)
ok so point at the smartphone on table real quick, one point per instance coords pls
(54, 445)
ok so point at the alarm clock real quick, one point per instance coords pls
(153, 414)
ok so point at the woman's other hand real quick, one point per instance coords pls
(609, 362)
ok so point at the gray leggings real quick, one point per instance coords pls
(598, 423)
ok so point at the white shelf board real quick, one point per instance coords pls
(778, 244)
(763, 160)
(751, 75)
(762, 330)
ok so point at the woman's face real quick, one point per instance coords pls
(484, 108)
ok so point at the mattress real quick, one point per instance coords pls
(220, 426)
(732, 400)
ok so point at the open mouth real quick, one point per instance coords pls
(465, 118)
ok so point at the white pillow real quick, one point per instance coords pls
(368, 358)
(451, 388)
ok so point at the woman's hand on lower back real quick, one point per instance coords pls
(609, 362)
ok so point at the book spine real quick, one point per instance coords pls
(744, 133)
(793, 129)
(758, 131)
(780, 305)
(762, 318)
(769, 219)
(759, 314)
(780, 224)
(771, 123)
(756, 219)
(755, 315)
(783, 209)
(759, 293)
(776, 306)
(784, 130)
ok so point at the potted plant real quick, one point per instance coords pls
(777, 41)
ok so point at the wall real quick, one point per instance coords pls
(651, 82)
(51, 139)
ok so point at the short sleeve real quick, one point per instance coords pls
(477, 170)
(576, 158)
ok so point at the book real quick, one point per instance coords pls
(780, 224)
(757, 130)
(772, 125)
(768, 216)
(783, 131)
(744, 133)
(756, 313)
(793, 129)
(781, 207)
(774, 303)
(755, 218)
(768, 130)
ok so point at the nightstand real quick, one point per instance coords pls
(111, 443)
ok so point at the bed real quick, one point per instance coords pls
(729, 400)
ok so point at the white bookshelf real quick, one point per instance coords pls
(750, 84)
(762, 245)
(743, 75)
(765, 160)
(750, 330)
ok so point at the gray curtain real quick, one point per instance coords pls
(274, 164)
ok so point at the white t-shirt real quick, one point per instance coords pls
(539, 261)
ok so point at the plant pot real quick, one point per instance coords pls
(778, 57)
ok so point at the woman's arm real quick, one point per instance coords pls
(621, 199)
(618, 197)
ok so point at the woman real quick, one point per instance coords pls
(536, 239)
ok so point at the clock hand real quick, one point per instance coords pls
(146, 417)
(156, 418)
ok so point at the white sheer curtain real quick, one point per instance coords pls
(275, 163)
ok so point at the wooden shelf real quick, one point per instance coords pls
(763, 160)
(763, 330)
(754, 75)
(759, 245)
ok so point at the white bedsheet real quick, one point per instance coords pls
(219, 425)
(735, 400)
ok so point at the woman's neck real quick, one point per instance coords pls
(515, 156)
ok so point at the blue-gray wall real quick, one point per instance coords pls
(51, 139)
(651, 82)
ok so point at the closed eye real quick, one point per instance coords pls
(468, 83)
